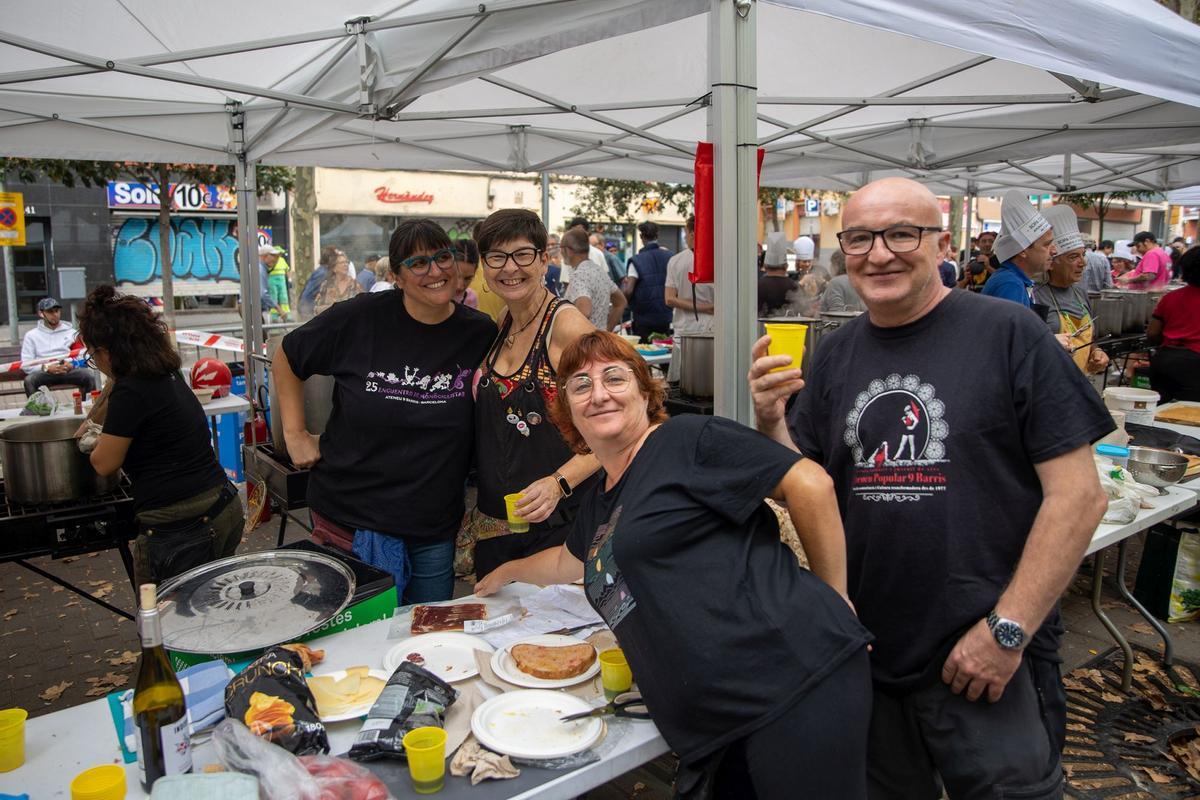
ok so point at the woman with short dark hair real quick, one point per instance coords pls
(387, 476)
(188, 512)
(517, 449)
(754, 670)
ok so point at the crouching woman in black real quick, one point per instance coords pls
(188, 512)
(754, 669)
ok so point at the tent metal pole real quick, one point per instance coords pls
(339, 53)
(1138, 171)
(922, 100)
(732, 66)
(589, 144)
(48, 117)
(546, 199)
(393, 95)
(252, 330)
(10, 288)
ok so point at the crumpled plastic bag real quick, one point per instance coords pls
(472, 759)
(283, 776)
(1120, 511)
(91, 436)
(41, 403)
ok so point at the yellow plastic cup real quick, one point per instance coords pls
(106, 782)
(787, 339)
(615, 673)
(12, 738)
(426, 750)
(516, 523)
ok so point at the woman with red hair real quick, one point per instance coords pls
(754, 669)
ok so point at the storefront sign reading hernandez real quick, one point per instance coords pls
(184, 196)
(385, 195)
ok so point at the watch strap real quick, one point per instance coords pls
(563, 485)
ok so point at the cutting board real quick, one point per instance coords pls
(1180, 415)
(1193, 466)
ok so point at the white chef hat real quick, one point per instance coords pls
(1020, 225)
(804, 248)
(1065, 225)
(1121, 249)
(776, 249)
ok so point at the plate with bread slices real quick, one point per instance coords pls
(549, 661)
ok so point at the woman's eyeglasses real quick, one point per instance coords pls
(419, 265)
(496, 259)
(614, 379)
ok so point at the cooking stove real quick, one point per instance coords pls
(679, 403)
(287, 484)
(71, 528)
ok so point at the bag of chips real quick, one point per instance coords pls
(413, 698)
(273, 700)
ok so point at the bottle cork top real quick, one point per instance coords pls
(149, 596)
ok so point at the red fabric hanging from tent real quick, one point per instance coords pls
(702, 269)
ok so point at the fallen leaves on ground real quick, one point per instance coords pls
(52, 693)
(12, 612)
(1109, 697)
(104, 591)
(105, 684)
(1139, 737)
(126, 658)
(1187, 753)
(1141, 627)
(57, 589)
(1155, 775)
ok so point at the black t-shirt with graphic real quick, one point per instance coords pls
(171, 456)
(397, 447)
(932, 442)
(722, 629)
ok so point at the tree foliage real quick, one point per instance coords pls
(96, 173)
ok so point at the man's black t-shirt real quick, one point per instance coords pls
(171, 456)
(773, 291)
(397, 447)
(931, 440)
(722, 629)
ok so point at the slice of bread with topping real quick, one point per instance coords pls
(553, 663)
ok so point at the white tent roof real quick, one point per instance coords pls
(612, 88)
(1185, 197)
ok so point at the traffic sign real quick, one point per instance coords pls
(12, 219)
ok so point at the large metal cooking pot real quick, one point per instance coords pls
(1109, 313)
(696, 364)
(318, 404)
(42, 463)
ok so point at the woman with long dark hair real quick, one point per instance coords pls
(188, 512)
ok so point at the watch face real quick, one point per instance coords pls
(1008, 634)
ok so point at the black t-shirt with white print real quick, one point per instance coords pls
(932, 441)
(722, 628)
(397, 447)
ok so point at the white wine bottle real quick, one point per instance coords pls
(158, 707)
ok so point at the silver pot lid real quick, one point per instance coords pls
(252, 601)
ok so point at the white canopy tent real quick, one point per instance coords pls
(1185, 197)
(967, 95)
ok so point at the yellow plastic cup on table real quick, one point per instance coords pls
(614, 673)
(426, 750)
(12, 738)
(787, 339)
(516, 523)
(106, 782)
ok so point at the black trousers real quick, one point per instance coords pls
(932, 738)
(1175, 373)
(816, 750)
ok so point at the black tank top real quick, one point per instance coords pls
(515, 441)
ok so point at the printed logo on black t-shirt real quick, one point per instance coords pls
(897, 434)
(415, 387)
(602, 579)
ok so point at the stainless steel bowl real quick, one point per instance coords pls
(1159, 468)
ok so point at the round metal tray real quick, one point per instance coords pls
(252, 601)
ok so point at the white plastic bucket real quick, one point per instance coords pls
(1138, 404)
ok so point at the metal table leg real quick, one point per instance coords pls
(1097, 578)
(1168, 645)
(282, 526)
(73, 588)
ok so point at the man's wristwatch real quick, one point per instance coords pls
(1007, 633)
(563, 486)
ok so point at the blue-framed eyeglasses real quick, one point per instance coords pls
(419, 265)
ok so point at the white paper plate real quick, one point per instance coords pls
(506, 669)
(357, 711)
(448, 654)
(525, 724)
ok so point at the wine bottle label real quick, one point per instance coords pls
(177, 748)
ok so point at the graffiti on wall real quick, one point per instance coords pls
(203, 256)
